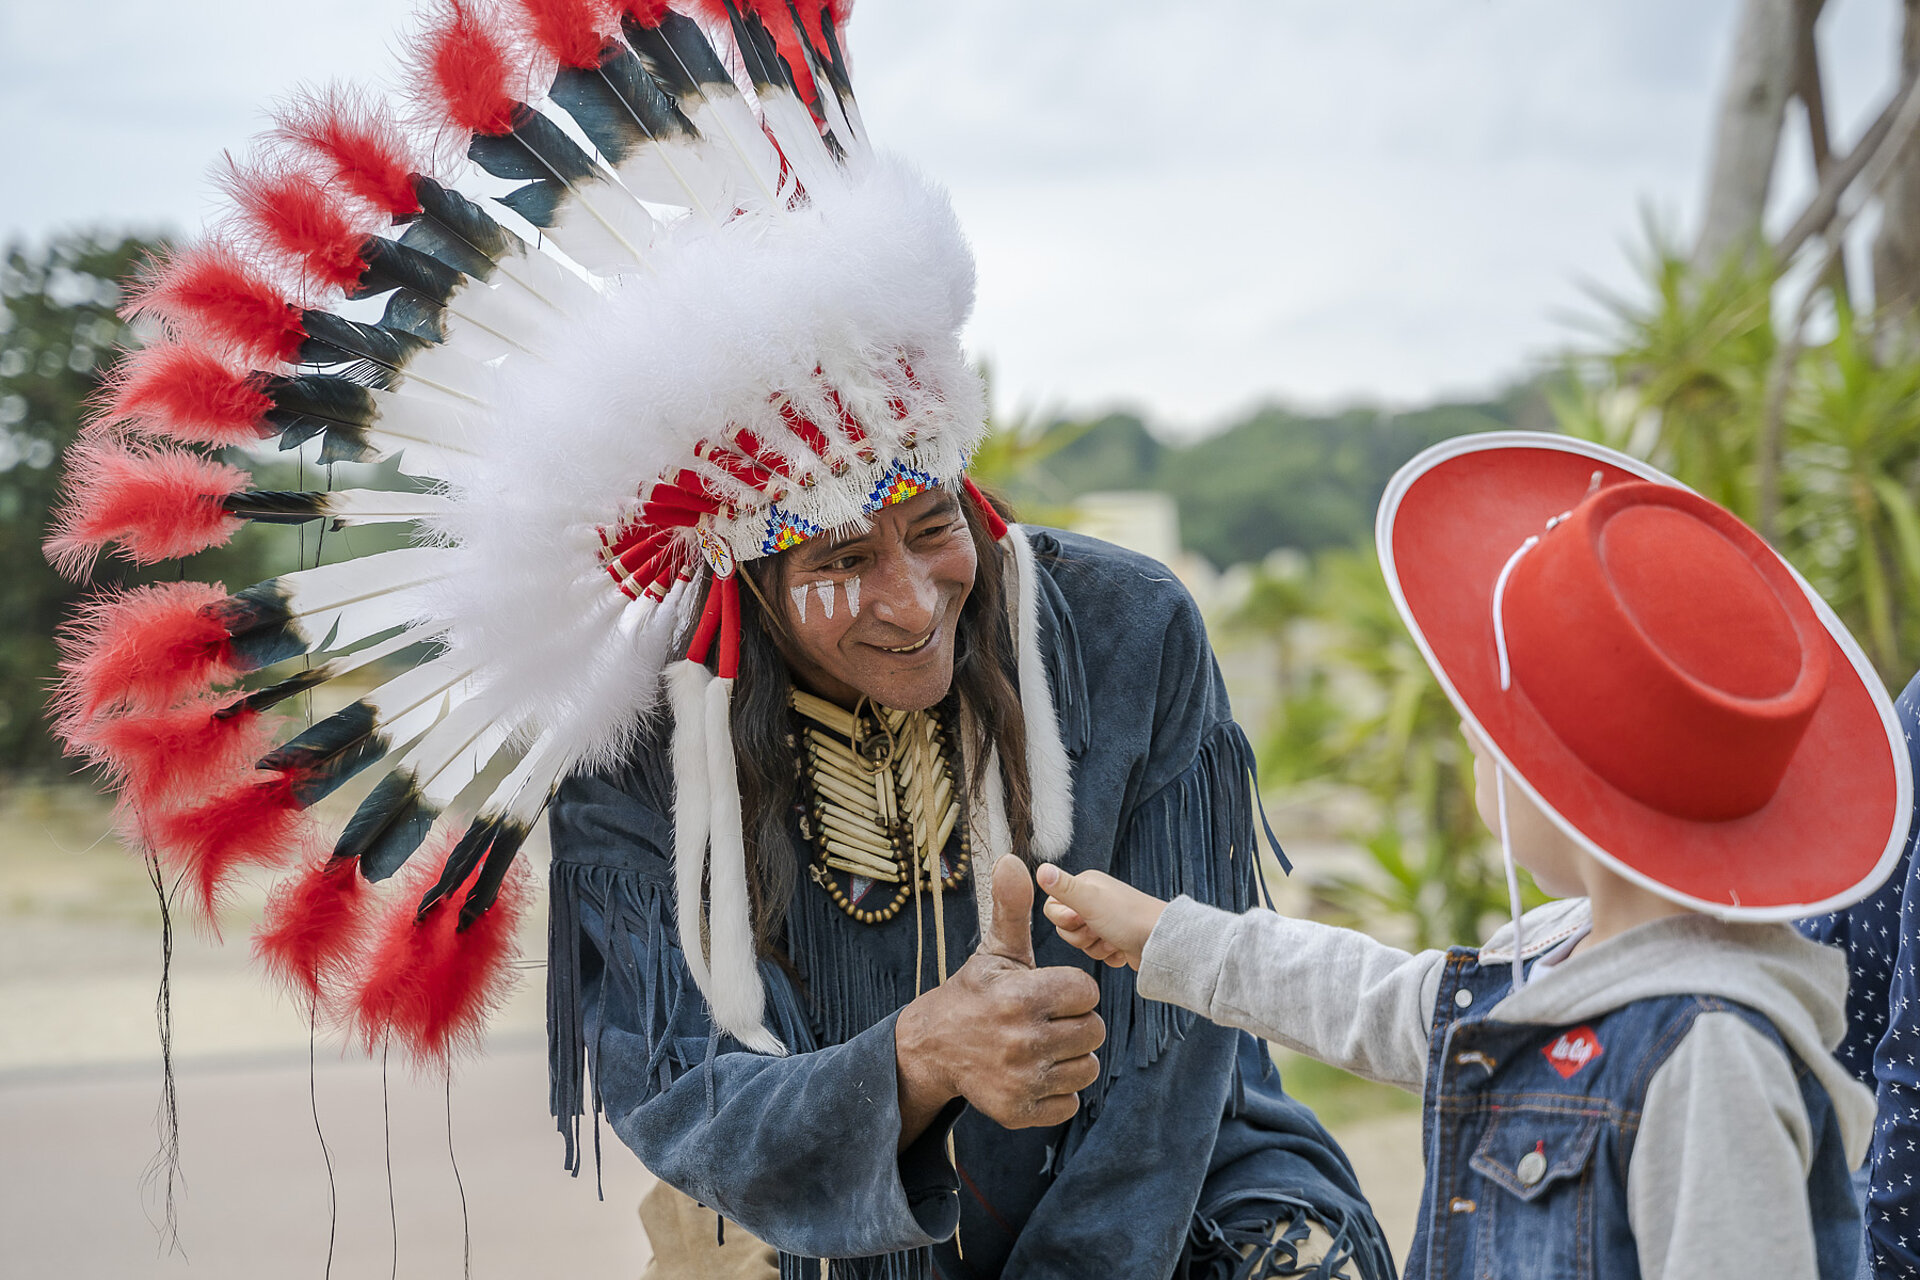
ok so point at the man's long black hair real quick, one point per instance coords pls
(769, 763)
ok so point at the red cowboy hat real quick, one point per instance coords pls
(1670, 691)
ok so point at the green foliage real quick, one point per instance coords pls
(1685, 383)
(59, 335)
(57, 331)
(1275, 479)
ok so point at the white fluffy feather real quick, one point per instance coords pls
(727, 317)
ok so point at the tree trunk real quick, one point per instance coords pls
(1896, 249)
(1746, 138)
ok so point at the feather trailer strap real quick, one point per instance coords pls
(692, 804)
(986, 815)
(1049, 771)
(735, 992)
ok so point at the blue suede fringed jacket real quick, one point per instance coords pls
(1182, 1158)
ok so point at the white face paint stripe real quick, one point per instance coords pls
(853, 596)
(826, 596)
(799, 594)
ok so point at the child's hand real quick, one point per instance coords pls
(1106, 918)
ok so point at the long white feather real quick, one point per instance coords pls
(692, 810)
(413, 701)
(601, 226)
(986, 819)
(738, 998)
(454, 751)
(380, 506)
(351, 601)
(428, 435)
(1049, 771)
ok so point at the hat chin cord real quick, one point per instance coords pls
(1513, 875)
(1500, 770)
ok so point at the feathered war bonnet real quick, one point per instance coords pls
(662, 311)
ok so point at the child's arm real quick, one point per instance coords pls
(1332, 994)
(1717, 1184)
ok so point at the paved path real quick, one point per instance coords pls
(254, 1202)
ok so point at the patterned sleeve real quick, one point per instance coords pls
(1893, 1203)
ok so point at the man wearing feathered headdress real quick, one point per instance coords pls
(677, 397)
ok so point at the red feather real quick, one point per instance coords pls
(360, 143)
(189, 394)
(143, 650)
(465, 70)
(209, 292)
(293, 216)
(429, 985)
(164, 758)
(572, 31)
(253, 824)
(159, 503)
(314, 923)
(648, 13)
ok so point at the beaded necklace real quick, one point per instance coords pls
(881, 803)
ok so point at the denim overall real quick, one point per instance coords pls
(1528, 1131)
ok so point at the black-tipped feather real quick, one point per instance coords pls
(388, 826)
(331, 339)
(535, 147)
(506, 844)
(261, 626)
(407, 312)
(306, 404)
(455, 230)
(618, 105)
(276, 506)
(330, 752)
(676, 53)
(835, 63)
(278, 692)
(392, 265)
(537, 202)
(473, 845)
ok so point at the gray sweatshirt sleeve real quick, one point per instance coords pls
(1332, 994)
(1724, 1100)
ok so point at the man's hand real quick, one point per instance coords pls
(1015, 1041)
(1108, 919)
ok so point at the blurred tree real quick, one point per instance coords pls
(58, 332)
(59, 336)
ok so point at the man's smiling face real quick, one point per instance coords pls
(915, 565)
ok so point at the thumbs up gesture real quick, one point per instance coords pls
(1016, 1041)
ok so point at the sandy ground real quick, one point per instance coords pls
(80, 1080)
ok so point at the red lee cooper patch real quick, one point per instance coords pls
(1572, 1050)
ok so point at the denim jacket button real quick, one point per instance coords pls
(1532, 1168)
(1462, 998)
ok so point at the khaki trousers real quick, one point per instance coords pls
(685, 1238)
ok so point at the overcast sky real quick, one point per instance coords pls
(1311, 201)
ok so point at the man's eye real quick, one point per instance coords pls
(844, 564)
(936, 531)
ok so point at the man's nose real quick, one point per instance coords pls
(904, 594)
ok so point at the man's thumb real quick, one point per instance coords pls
(1010, 935)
